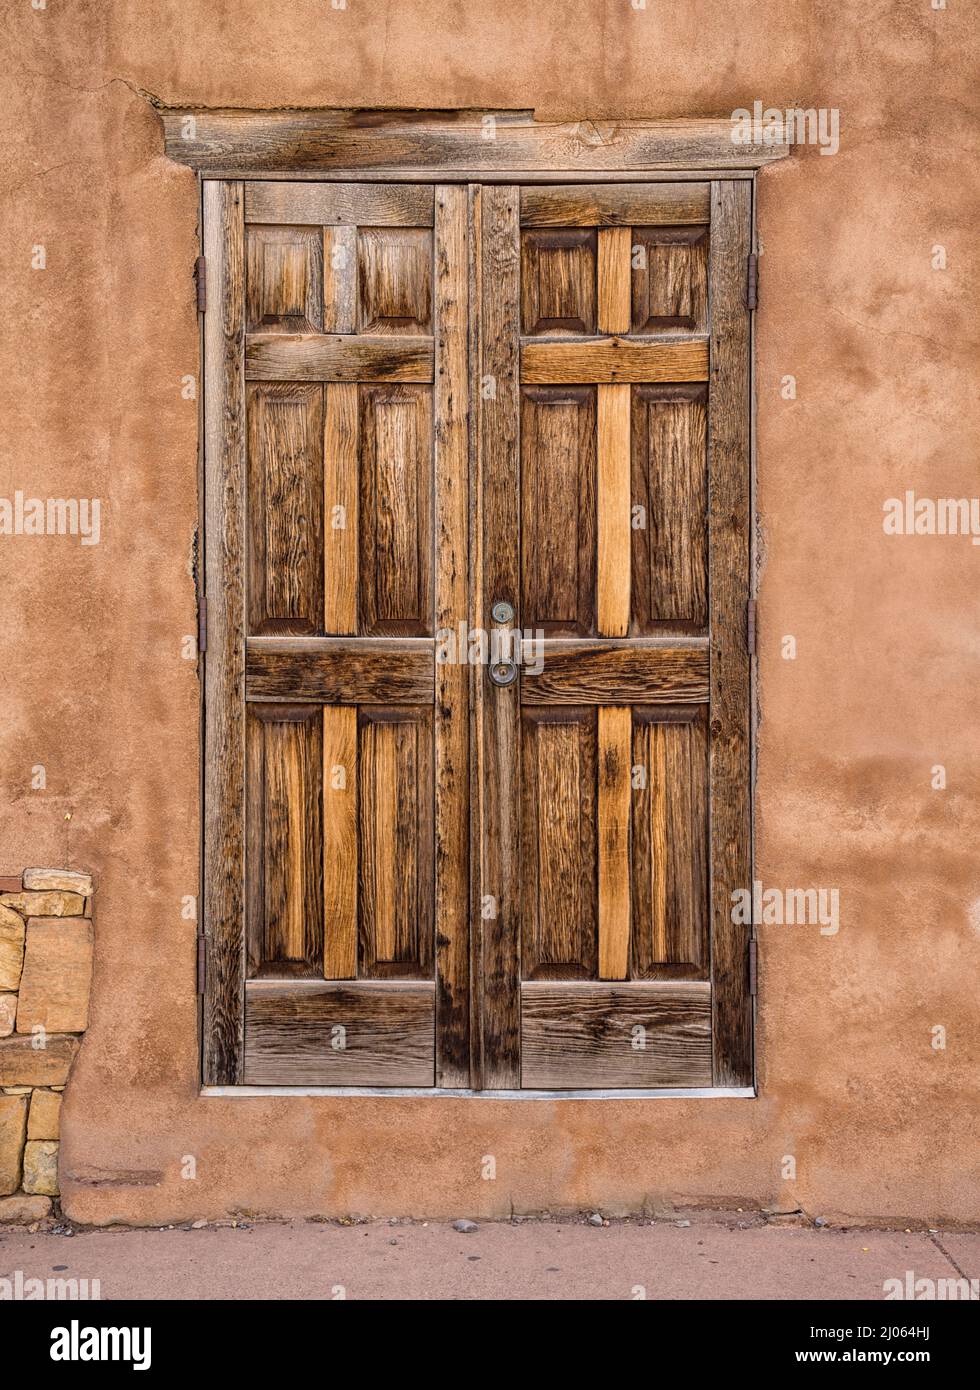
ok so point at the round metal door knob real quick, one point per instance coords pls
(503, 672)
(502, 613)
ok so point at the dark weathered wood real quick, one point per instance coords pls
(395, 902)
(558, 844)
(669, 470)
(285, 507)
(395, 522)
(223, 868)
(283, 815)
(364, 1033)
(284, 280)
(654, 671)
(585, 1035)
(341, 670)
(340, 204)
(728, 446)
(670, 279)
(558, 509)
(558, 282)
(394, 278)
(614, 205)
(497, 867)
(450, 409)
(614, 359)
(326, 357)
(340, 280)
(253, 142)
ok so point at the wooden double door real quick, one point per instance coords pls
(477, 678)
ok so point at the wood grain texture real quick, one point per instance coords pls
(223, 867)
(655, 671)
(613, 511)
(340, 280)
(340, 204)
(452, 790)
(284, 280)
(340, 857)
(558, 843)
(585, 1035)
(728, 446)
(612, 360)
(331, 357)
(340, 671)
(395, 859)
(365, 1033)
(341, 473)
(614, 763)
(395, 516)
(669, 471)
(436, 142)
(497, 855)
(558, 509)
(285, 508)
(670, 279)
(558, 282)
(614, 280)
(394, 280)
(614, 205)
(284, 871)
(670, 837)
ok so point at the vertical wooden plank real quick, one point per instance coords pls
(614, 760)
(340, 279)
(451, 403)
(613, 489)
(728, 446)
(224, 664)
(339, 842)
(340, 507)
(498, 754)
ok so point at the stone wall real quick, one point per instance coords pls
(45, 974)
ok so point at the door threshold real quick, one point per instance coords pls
(664, 1093)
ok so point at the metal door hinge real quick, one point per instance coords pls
(201, 280)
(753, 967)
(751, 626)
(202, 623)
(752, 283)
(202, 962)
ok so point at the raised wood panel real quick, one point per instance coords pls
(670, 841)
(652, 671)
(670, 279)
(670, 485)
(613, 359)
(558, 509)
(341, 671)
(340, 279)
(340, 837)
(285, 508)
(341, 204)
(284, 280)
(614, 775)
(592, 1035)
(396, 510)
(365, 1033)
(613, 205)
(395, 812)
(558, 282)
(395, 280)
(558, 843)
(333, 357)
(284, 843)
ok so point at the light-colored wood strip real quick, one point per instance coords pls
(615, 738)
(612, 360)
(340, 279)
(339, 842)
(325, 357)
(614, 279)
(340, 507)
(616, 205)
(340, 204)
(613, 512)
(382, 830)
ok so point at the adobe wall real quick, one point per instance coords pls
(96, 692)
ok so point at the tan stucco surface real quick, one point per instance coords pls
(882, 1125)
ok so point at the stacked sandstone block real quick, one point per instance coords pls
(45, 973)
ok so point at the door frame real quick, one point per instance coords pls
(226, 148)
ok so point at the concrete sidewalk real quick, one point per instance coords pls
(711, 1258)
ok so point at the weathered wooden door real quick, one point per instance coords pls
(440, 410)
